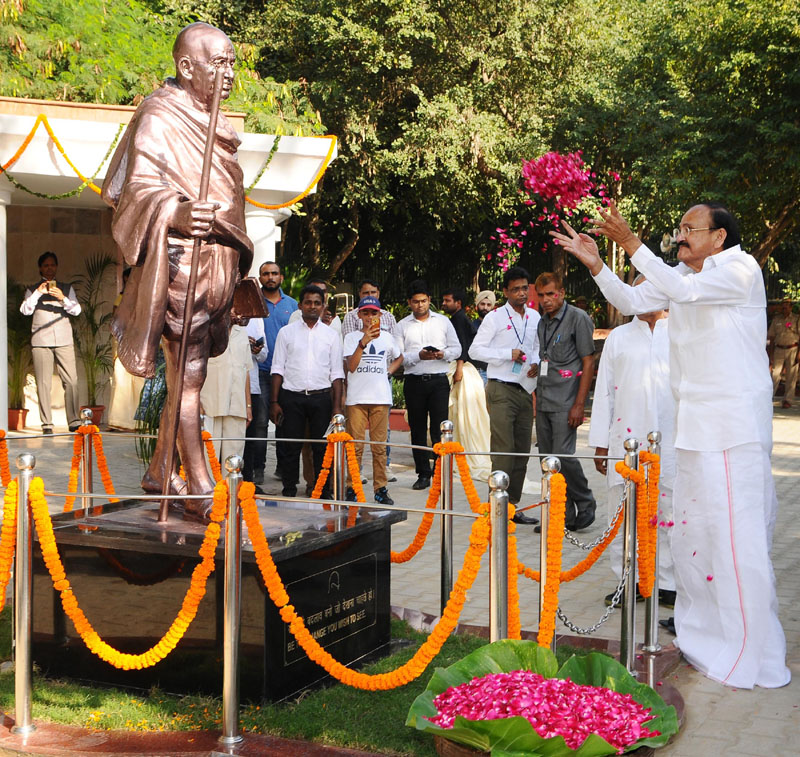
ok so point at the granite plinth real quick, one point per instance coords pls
(130, 575)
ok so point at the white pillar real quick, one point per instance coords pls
(264, 232)
(5, 199)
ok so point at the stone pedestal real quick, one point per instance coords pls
(130, 576)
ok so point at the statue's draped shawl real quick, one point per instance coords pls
(158, 164)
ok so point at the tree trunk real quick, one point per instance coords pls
(349, 242)
(559, 261)
(777, 232)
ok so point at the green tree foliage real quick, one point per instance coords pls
(434, 105)
(701, 102)
(117, 51)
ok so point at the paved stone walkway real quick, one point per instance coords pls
(719, 720)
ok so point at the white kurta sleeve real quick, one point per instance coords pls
(728, 284)
(629, 300)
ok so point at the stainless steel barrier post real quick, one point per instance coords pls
(86, 468)
(627, 637)
(446, 525)
(23, 587)
(651, 603)
(232, 609)
(339, 460)
(498, 557)
(550, 465)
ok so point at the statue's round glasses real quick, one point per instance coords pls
(686, 230)
(217, 63)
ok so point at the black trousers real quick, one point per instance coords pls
(255, 452)
(427, 397)
(299, 409)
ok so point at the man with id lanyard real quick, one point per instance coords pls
(566, 369)
(507, 342)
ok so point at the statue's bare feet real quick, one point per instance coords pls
(198, 510)
(153, 486)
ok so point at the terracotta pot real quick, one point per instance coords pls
(16, 418)
(446, 748)
(397, 419)
(97, 413)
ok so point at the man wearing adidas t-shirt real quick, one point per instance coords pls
(370, 356)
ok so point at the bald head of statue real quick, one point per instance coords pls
(199, 50)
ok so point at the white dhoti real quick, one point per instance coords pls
(666, 575)
(467, 411)
(726, 614)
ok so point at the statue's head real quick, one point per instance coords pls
(198, 51)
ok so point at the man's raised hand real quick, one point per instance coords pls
(582, 246)
(611, 224)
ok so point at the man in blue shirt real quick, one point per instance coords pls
(280, 307)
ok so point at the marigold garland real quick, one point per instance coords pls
(555, 541)
(191, 601)
(648, 567)
(72, 483)
(102, 463)
(216, 468)
(514, 621)
(5, 470)
(352, 468)
(478, 542)
(8, 537)
(355, 481)
(580, 568)
(323, 167)
(427, 520)
(646, 482)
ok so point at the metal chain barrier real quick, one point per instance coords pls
(615, 601)
(574, 540)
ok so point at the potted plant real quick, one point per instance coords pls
(511, 698)
(398, 418)
(91, 327)
(19, 355)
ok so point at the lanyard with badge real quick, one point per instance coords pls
(517, 367)
(544, 365)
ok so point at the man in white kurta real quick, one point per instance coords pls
(632, 397)
(726, 614)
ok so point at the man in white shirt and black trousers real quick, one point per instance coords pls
(429, 343)
(307, 382)
(507, 342)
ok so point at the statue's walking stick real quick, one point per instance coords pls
(188, 310)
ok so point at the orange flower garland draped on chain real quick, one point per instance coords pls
(8, 537)
(191, 601)
(514, 622)
(427, 520)
(646, 515)
(216, 468)
(72, 483)
(5, 470)
(478, 542)
(555, 541)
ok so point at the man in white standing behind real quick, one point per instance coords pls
(726, 611)
(632, 397)
(507, 342)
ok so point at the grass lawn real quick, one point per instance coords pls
(337, 715)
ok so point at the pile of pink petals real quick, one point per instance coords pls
(554, 707)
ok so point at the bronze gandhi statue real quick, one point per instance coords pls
(152, 180)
